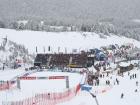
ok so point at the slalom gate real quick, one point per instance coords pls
(42, 78)
(47, 98)
(102, 90)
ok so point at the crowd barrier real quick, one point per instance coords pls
(9, 84)
(47, 98)
(102, 90)
(5, 85)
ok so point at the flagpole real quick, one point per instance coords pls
(36, 50)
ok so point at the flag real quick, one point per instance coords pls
(49, 48)
(58, 49)
(44, 49)
(65, 50)
(74, 50)
(36, 49)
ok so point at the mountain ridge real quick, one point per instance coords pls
(71, 10)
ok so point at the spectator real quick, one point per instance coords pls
(136, 83)
(122, 95)
(136, 90)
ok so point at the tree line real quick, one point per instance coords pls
(129, 30)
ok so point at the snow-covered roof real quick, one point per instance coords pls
(23, 21)
(124, 64)
(92, 69)
(91, 55)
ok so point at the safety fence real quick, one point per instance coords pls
(47, 98)
(101, 90)
(4, 85)
(95, 90)
(44, 98)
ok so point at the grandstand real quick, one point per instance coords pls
(61, 60)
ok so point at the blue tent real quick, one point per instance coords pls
(97, 51)
(100, 56)
(86, 87)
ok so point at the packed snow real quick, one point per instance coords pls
(9, 74)
(31, 87)
(112, 94)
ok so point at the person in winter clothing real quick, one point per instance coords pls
(136, 83)
(122, 95)
(135, 75)
(136, 90)
(117, 81)
(130, 77)
(128, 73)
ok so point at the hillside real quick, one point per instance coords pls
(63, 41)
(13, 55)
(39, 15)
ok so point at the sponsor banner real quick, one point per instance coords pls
(46, 98)
(42, 78)
(50, 77)
(27, 78)
(56, 77)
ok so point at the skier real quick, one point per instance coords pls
(3, 66)
(103, 75)
(97, 82)
(48, 95)
(108, 82)
(135, 75)
(8, 85)
(117, 81)
(130, 77)
(136, 90)
(122, 95)
(136, 83)
(128, 73)
(107, 74)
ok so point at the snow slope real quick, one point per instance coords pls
(32, 87)
(64, 40)
(110, 97)
(9, 74)
(113, 95)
